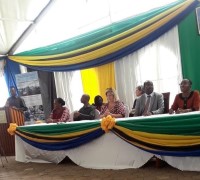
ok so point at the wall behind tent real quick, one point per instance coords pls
(96, 80)
(189, 47)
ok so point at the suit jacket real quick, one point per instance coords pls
(156, 105)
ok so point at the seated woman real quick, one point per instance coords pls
(187, 101)
(138, 92)
(98, 102)
(113, 107)
(59, 113)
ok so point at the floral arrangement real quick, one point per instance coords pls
(107, 123)
(12, 128)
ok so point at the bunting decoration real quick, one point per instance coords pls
(107, 44)
(170, 135)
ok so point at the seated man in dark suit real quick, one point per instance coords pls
(87, 112)
(150, 102)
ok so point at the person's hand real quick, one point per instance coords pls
(179, 111)
(107, 112)
(147, 114)
(49, 120)
(171, 111)
(14, 107)
(76, 114)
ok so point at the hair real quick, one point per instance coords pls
(140, 88)
(113, 91)
(148, 81)
(12, 87)
(87, 96)
(96, 98)
(190, 82)
(60, 101)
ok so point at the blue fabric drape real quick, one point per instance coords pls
(11, 69)
(78, 60)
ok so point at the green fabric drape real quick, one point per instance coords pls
(189, 39)
(98, 35)
(173, 135)
(121, 40)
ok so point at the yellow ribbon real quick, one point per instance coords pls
(107, 123)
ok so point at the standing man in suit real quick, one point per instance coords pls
(15, 101)
(150, 102)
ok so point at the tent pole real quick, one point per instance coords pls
(30, 28)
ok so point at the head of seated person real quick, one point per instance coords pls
(98, 102)
(187, 100)
(138, 92)
(87, 112)
(113, 107)
(150, 102)
(59, 112)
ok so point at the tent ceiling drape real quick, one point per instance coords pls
(61, 19)
(122, 39)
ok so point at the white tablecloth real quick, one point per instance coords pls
(106, 152)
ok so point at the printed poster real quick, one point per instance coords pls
(29, 89)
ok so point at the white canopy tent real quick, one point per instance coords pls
(28, 24)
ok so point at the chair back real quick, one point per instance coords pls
(126, 110)
(97, 114)
(166, 102)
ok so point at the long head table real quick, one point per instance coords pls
(130, 144)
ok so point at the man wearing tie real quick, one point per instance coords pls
(150, 102)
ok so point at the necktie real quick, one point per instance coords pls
(147, 104)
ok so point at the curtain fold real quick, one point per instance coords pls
(96, 80)
(114, 47)
(69, 87)
(189, 48)
(162, 135)
(90, 82)
(159, 61)
(10, 70)
(2, 64)
(95, 36)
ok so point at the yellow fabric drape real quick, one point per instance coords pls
(96, 80)
(155, 23)
(90, 83)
